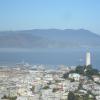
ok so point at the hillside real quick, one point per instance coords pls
(48, 38)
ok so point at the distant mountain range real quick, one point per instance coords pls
(48, 38)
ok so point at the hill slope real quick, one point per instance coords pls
(45, 38)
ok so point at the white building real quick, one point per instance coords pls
(74, 76)
(88, 59)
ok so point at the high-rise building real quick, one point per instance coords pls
(88, 59)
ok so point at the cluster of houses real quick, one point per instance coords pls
(40, 84)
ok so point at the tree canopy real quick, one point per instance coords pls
(71, 96)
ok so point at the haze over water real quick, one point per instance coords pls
(68, 56)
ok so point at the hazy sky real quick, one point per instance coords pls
(31, 14)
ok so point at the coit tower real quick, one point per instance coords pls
(88, 59)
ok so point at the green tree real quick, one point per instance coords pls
(9, 97)
(71, 96)
(46, 87)
(55, 89)
(32, 89)
(79, 69)
(65, 76)
(90, 71)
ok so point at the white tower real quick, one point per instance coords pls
(88, 58)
